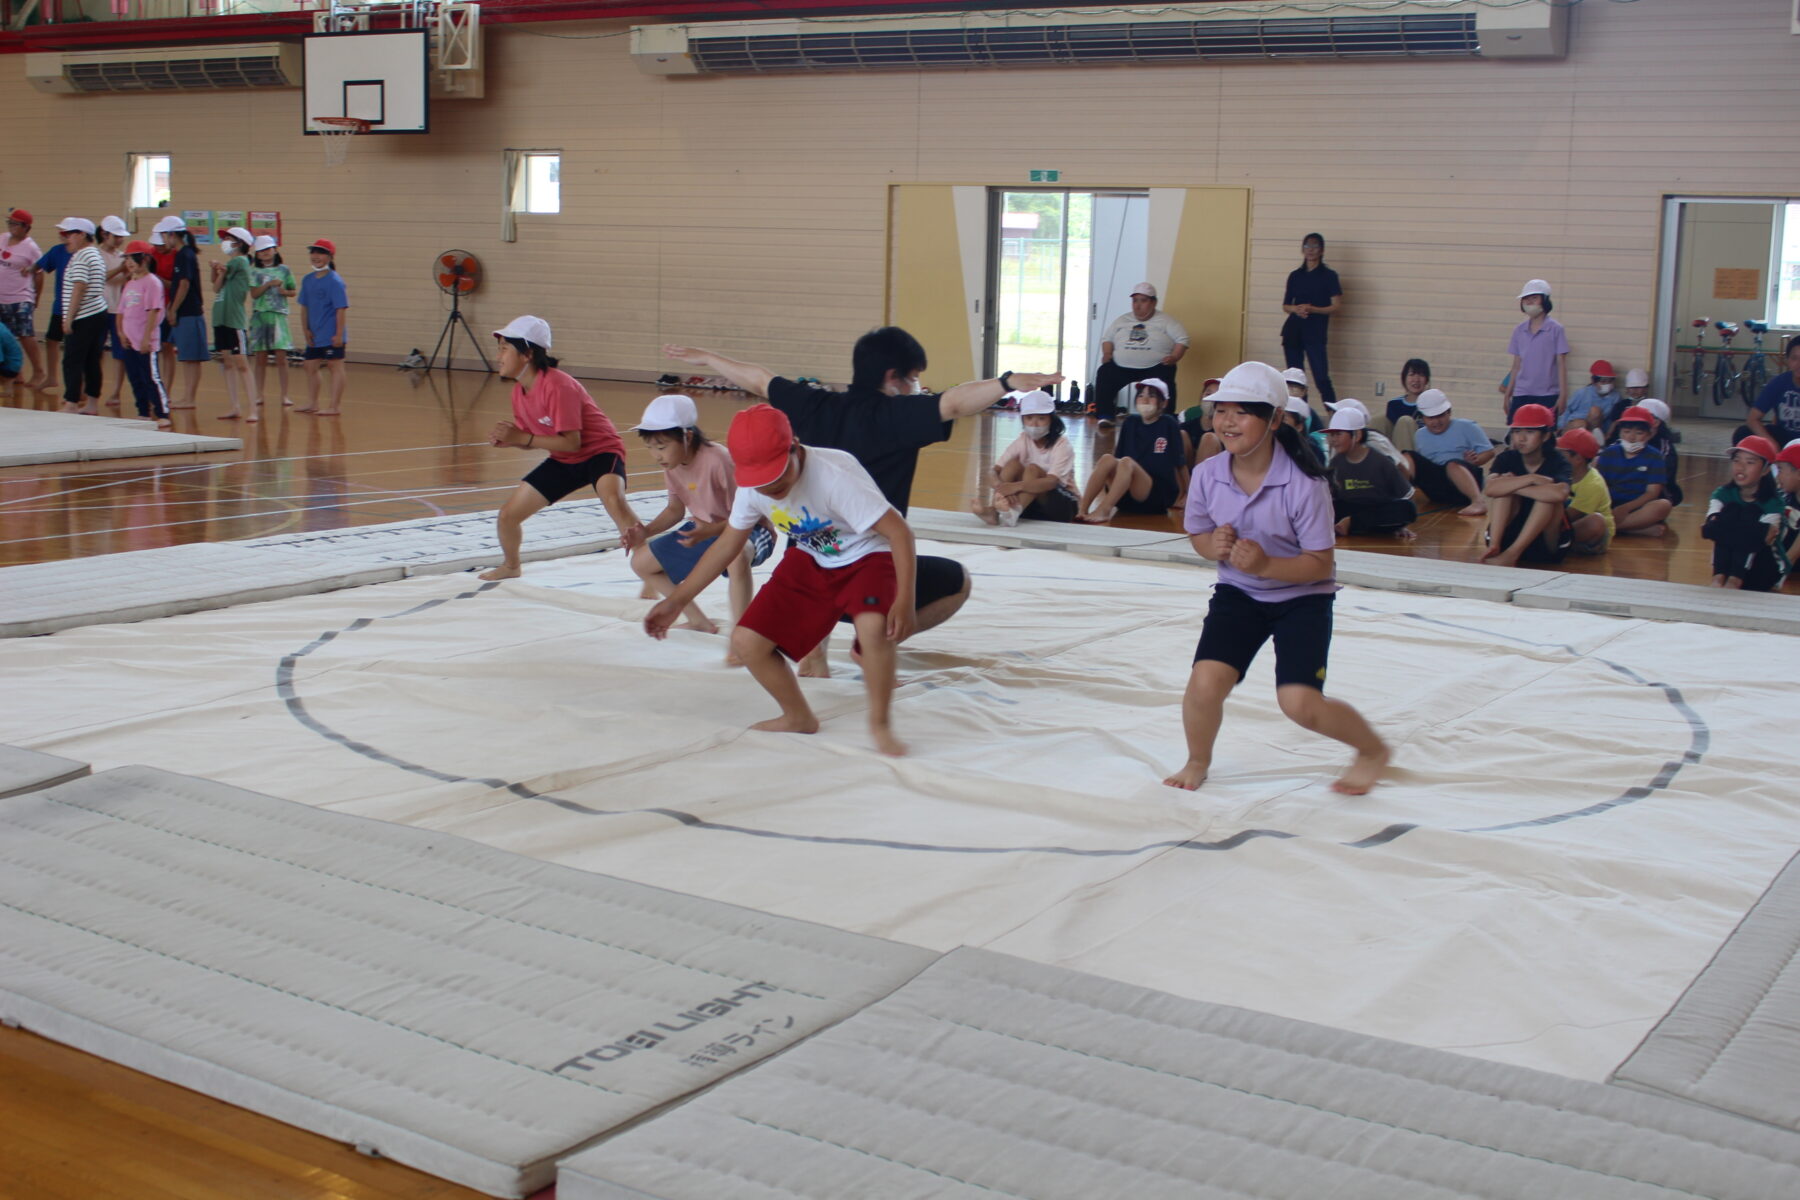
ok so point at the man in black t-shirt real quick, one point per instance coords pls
(884, 421)
(1313, 296)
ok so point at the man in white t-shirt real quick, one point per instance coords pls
(851, 554)
(1142, 344)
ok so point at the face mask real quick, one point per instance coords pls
(918, 388)
(1534, 310)
(1149, 411)
(1037, 433)
(228, 249)
(1631, 447)
(1605, 389)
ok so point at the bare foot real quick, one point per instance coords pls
(1190, 777)
(787, 724)
(1342, 527)
(326, 412)
(815, 665)
(732, 660)
(501, 572)
(702, 626)
(887, 743)
(1656, 530)
(306, 409)
(48, 388)
(88, 411)
(1495, 550)
(113, 403)
(1364, 770)
(286, 403)
(1474, 510)
(173, 407)
(230, 416)
(1405, 533)
(985, 512)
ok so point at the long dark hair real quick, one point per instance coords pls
(1056, 432)
(1298, 445)
(540, 357)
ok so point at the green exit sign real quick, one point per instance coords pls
(1046, 176)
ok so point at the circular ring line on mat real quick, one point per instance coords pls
(1700, 740)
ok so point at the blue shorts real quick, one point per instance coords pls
(325, 352)
(18, 318)
(114, 343)
(679, 561)
(190, 339)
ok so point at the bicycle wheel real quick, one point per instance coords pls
(1754, 379)
(1724, 382)
(1697, 376)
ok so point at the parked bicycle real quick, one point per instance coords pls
(1755, 375)
(1697, 376)
(1725, 373)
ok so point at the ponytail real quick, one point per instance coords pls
(1299, 447)
(540, 357)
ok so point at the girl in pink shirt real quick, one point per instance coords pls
(141, 306)
(1266, 519)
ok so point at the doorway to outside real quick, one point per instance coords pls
(1061, 266)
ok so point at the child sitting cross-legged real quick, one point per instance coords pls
(1636, 475)
(1743, 520)
(1528, 493)
(1035, 475)
(850, 554)
(1147, 471)
(1590, 504)
(1368, 492)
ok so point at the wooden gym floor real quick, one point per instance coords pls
(408, 445)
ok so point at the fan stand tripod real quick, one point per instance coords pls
(452, 323)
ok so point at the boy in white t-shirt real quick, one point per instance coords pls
(851, 554)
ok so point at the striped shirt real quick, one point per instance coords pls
(1629, 476)
(86, 267)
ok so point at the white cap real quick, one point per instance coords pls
(1295, 375)
(1433, 403)
(1655, 408)
(166, 225)
(1033, 404)
(264, 242)
(74, 224)
(1158, 384)
(115, 225)
(1637, 377)
(1349, 402)
(1348, 419)
(1535, 287)
(535, 330)
(665, 412)
(1251, 383)
(241, 234)
(1299, 407)
(1144, 289)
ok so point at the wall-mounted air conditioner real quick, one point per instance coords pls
(167, 69)
(1061, 37)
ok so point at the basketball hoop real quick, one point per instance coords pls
(336, 134)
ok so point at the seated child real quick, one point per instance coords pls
(1743, 521)
(1146, 473)
(1787, 478)
(1448, 454)
(1663, 439)
(850, 553)
(1035, 475)
(1590, 504)
(1635, 476)
(1368, 492)
(1297, 389)
(1528, 494)
(701, 483)
(1415, 377)
(1637, 386)
(1198, 440)
(1587, 408)
(1376, 441)
(1300, 415)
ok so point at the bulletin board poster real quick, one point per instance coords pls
(266, 222)
(200, 225)
(1737, 283)
(223, 220)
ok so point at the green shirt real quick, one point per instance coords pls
(234, 289)
(272, 301)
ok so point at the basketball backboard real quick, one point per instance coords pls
(378, 77)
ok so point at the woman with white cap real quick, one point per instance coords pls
(111, 237)
(552, 411)
(271, 284)
(1540, 354)
(85, 318)
(231, 320)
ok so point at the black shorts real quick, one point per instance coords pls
(227, 340)
(1057, 504)
(1552, 546)
(1434, 480)
(325, 353)
(55, 332)
(936, 578)
(554, 480)
(1237, 626)
(1163, 493)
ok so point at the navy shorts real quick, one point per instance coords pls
(679, 561)
(554, 480)
(1434, 480)
(1237, 626)
(325, 352)
(1164, 491)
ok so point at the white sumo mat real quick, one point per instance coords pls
(466, 1011)
(988, 1076)
(1582, 806)
(30, 771)
(27, 436)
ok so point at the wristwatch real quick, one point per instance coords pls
(1005, 381)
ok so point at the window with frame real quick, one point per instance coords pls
(540, 180)
(148, 179)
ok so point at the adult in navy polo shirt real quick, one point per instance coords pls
(1312, 298)
(883, 420)
(1775, 413)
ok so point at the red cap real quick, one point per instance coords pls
(1758, 445)
(139, 248)
(1790, 454)
(1602, 367)
(1532, 416)
(325, 244)
(1640, 416)
(19, 215)
(759, 440)
(1582, 442)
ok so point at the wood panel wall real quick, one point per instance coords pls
(751, 213)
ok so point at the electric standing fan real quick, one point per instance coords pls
(457, 272)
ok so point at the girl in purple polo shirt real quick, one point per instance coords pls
(1266, 519)
(1540, 355)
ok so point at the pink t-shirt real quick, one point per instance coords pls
(556, 404)
(137, 300)
(1058, 460)
(16, 262)
(706, 486)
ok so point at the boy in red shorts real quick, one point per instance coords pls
(850, 554)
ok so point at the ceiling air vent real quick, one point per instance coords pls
(168, 69)
(1421, 29)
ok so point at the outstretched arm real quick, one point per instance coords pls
(749, 376)
(978, 395)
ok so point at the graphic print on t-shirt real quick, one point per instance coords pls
(807, 531)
